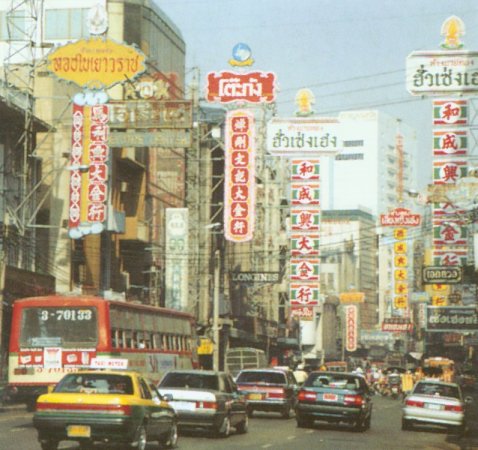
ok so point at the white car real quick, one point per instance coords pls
(436, 403)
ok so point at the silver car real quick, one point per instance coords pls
(436, 403)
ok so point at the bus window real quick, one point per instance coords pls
(114, 338)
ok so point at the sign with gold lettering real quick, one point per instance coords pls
(96, 63)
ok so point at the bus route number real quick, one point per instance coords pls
(71, 315)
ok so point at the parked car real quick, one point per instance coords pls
(436, 403)
(334, 397)
(268, 390)
(206, 399)
(118, 407)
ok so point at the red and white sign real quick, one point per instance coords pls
(304, 269)
(400, 217)
(396, 324)
(304, 294)
(305, 170)
(302, 313)
(304, 244)
(252, 87)
(351, 334)
(75, 162)
(109, 363)
(239, 185)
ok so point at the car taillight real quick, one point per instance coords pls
(277, 394)
(122, 410)
(454, 408)
(356, 400)
(415, 403)
(307, 396)
(206, 405)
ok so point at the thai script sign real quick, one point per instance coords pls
(302, 136)
(96, 63)
(451, 318)
(396, 324)
(239, 184)
(352, 297)
(442, 275)
(351, 333)
(166, 138)
(151, 114)
(302, 313)
(255, 277)
(402, 217)
(450, 112)
(252, 87)
(442, 72)
(176, 274)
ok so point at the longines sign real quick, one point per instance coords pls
(255, 277)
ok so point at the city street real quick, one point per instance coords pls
(269, 431)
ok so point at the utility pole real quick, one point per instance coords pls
(215, 312)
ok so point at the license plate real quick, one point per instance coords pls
(78, 431)
(331, 397)
(254, 396)
(433, 406)
(184, 406)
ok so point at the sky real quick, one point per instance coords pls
(350, 53)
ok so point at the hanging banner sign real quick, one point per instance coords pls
(304, 269)
(304, 244)
(396, 324)
(351, 333)
(305, 219)
(252, 87)
(305, 313)
(449, 172)
(167, 138)
(442, 72)
(450, 142)
(96, 63)
(305, 170)
(442, 275)
(304, 294)
(305, 194)
(303, 136)
(450, 256)
(239, 184)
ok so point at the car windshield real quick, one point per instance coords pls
(337, 381)
(261, 377)
(95, 384)
(440, 390)
(189, 380)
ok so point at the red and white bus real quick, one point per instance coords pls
(54, 334)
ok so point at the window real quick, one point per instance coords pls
(143, 386)
(66, 23)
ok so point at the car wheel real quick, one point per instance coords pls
(170, 440)
(304, 423)
(286, 412)
(243, 426)
(250, 411)
(49, 445)
(406, 425)
(140, 440)
(225, 429)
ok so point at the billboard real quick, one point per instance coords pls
(451, 318)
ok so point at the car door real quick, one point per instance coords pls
(238, 404)
(158, 417)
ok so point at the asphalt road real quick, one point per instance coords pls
(269, 431)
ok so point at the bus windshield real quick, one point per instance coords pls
(58, 326)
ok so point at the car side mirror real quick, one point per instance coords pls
(468, 400)
(168, 397)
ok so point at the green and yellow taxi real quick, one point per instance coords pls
(105, 406)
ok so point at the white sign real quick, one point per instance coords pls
(300, 136)
(109, 363)
(442, 72)
(351, 334)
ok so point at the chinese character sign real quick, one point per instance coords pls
(239, 176)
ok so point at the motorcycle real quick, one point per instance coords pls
(395, 385)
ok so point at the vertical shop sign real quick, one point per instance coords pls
(239, 184)
(351, 328)
(176, 255)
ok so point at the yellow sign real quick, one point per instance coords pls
(439, 300)
(401, 274)
(400, 233)
(400, 261)
(206, 347)
(400, 247)
(400, 302)
(96, 63)
(352, 297)
(401, 288)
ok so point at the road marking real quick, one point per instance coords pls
(310, 431)
(289, 438)
(267, 446)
